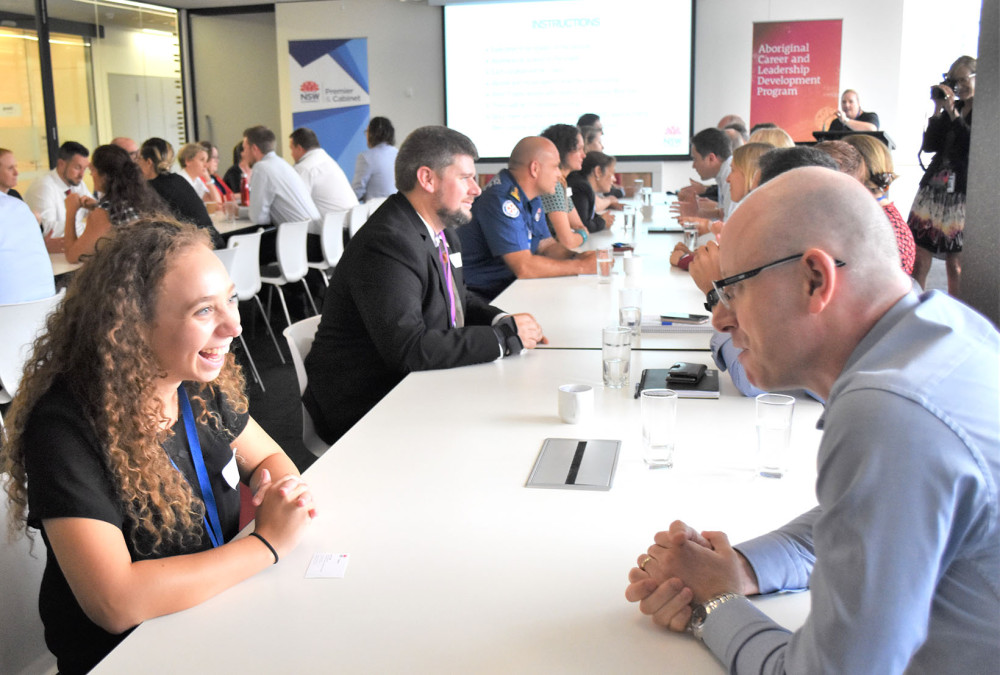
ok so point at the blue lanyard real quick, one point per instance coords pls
(212, 523)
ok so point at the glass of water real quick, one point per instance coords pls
(774, 430)
(630, 309)
(659, 417)
(616, 354)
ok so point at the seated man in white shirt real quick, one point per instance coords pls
(326, 181)
(277, 194)
(48, 195)
(25, 268)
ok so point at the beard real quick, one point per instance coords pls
(455, 218)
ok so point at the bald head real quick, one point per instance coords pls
(534, 163)
(837, 274)
(731, 119)
(128, 145)
(529, 150)
(813, 207)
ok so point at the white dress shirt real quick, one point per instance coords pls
(196, 182)
(326, 181)
(25, 267)
(278, 195)
(47, 197)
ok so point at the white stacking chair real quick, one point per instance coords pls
(292, 265)
(228, 257)
(20, 324)
(331, 240)
(359, 216)
(300, 340)
(244, 270)
(22, 645)
(373, 204)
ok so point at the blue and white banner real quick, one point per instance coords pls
(329, 80)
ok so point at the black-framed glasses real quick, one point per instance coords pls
(721, 284)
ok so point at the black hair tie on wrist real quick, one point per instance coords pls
(268, 544)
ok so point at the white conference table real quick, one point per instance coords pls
(572, 310)
(61, 266)
(455, 566)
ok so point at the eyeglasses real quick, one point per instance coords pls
(727, 298)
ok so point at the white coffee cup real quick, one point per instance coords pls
(633, 266)
(576, 403)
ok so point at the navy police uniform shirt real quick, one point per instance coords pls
(503, 221)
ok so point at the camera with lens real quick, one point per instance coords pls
(937, 92)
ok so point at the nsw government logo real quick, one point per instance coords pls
(309, 92)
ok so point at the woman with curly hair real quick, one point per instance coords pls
(565, 223)
(128, 438)
(125, 196)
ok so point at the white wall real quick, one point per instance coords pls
(893, 50)
(236, 81)
(405, 54)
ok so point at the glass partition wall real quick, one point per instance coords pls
(115, 71)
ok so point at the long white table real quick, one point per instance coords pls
(61, 266)
(455, 566)
(573, 310)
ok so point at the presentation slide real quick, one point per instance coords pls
(514, 68)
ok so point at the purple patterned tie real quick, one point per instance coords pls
(445, 259)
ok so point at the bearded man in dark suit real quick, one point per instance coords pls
(397, 302)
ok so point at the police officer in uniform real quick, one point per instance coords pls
(507, 237)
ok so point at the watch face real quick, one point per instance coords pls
(698, 616)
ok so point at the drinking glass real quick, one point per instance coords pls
(630, 309)
(774, 428)
(616, 353)
(659, 418)
(605, 264)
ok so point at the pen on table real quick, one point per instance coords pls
(666, 323)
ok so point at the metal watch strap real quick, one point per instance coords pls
(700, 613)
(711, 299)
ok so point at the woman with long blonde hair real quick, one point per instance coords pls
(128, 438)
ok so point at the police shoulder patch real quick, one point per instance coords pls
(510, 209)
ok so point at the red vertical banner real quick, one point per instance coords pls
(796, 75)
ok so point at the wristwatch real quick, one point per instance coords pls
(711, 299)
(700, 612)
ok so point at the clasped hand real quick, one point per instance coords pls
(683, 567)
(284, 508)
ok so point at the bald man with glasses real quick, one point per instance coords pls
(900, 555)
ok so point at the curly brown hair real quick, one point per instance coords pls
(97, 344)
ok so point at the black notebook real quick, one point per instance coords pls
(656, 378)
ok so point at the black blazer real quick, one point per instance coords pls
(583, 199)
(386, 314)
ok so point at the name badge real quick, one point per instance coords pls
(231, 472)
(456, 259)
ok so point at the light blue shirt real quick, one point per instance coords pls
(902, 555)
(278, 195)
(726, 357)
(25, 267)
(375, 172)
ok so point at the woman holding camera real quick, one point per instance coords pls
(937, 217)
